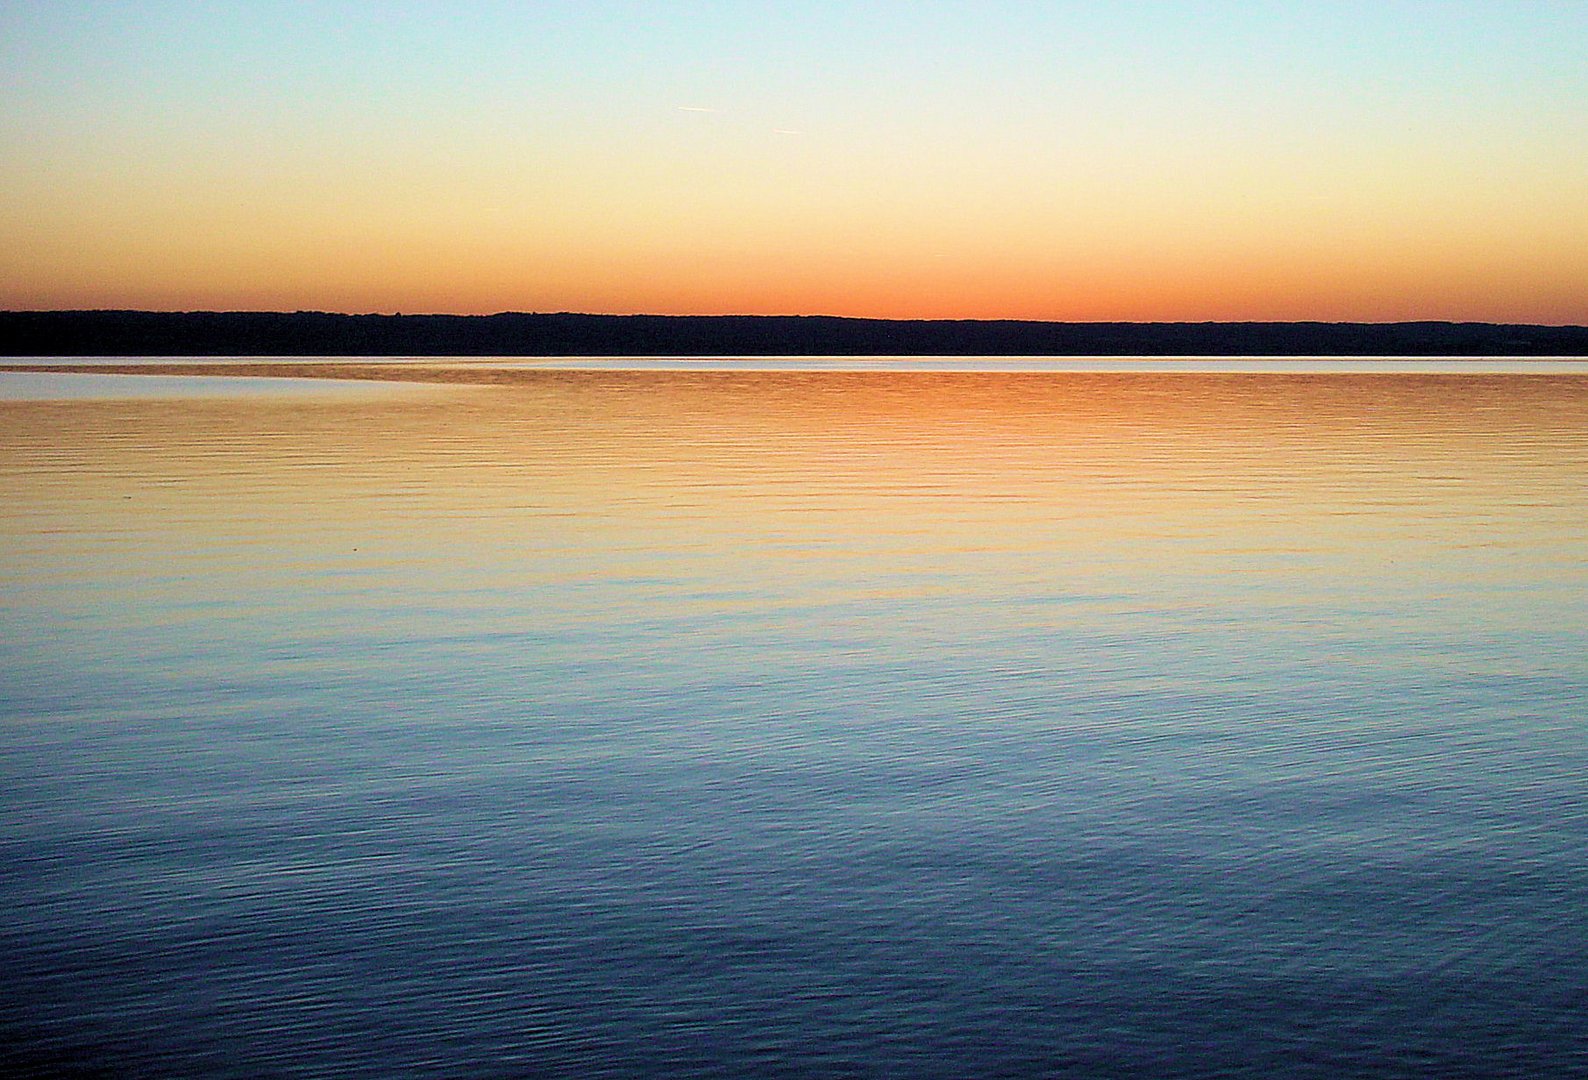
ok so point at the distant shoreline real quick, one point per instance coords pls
(293, 334)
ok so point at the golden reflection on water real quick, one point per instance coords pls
(728, 487)
(989, 453)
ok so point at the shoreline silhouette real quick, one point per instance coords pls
(312, 333)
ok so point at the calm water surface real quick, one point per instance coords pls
(883, 723)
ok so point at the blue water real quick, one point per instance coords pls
(890, 723)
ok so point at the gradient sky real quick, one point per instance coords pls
(1213, 160)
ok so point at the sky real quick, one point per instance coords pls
(1111, 161)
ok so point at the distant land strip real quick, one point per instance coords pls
(313, 333)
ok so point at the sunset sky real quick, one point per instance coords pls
(1213, 160)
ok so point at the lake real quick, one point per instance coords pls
(807, 717)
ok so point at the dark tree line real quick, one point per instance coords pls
(304, 333)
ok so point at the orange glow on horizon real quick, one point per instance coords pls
(1267, 185)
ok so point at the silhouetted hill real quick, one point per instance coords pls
(306, 333)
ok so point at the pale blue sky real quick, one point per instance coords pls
(946, 104)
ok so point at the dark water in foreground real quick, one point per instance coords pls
(818, 723)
